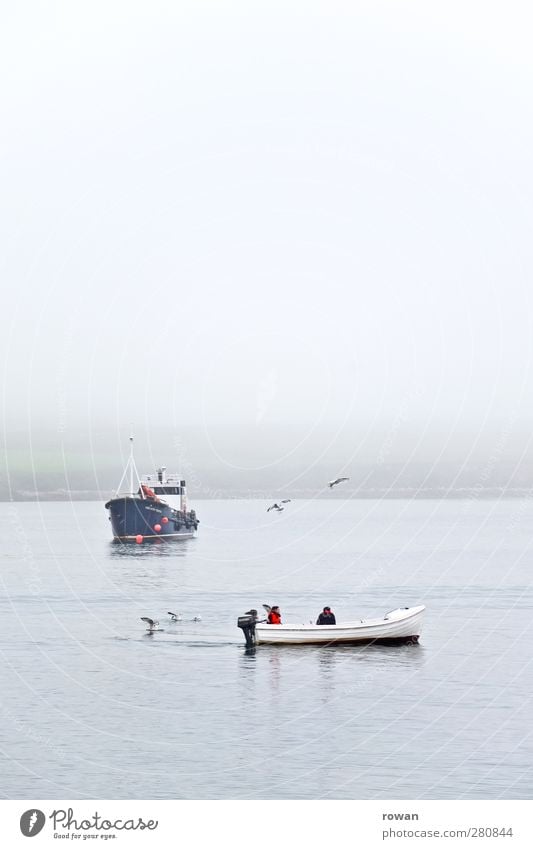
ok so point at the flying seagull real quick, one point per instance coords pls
(331, 484)
(277, 507)
(152, 624)
(174, 616)
(266, 607)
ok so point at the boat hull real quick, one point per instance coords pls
(399, 626)
(132, 517)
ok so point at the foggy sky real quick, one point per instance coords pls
(303, 225)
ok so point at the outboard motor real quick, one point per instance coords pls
(247, 625)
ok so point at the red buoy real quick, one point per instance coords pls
(164, 520)
(157, 528)
(139, 538)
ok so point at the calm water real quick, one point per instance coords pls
(93, 707)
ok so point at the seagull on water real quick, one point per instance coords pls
(277, 506)
(152, 624)
(174, 616)
(331, 484)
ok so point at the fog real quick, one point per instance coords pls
(278, 241)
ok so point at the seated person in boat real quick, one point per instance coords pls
(327, 617)
(274, 616)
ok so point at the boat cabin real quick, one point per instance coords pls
(163, 484)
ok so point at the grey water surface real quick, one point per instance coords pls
(92, 706)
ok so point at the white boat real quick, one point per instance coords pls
(402, 625)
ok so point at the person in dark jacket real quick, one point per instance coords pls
(274, 616)
(326, 617)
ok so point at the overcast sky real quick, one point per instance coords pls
(306, 216)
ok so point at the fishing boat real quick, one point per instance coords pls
(139, 513)
(402, 625)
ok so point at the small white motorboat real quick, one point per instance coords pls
(402, 625)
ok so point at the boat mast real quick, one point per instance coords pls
(134, 474)
(131, 464)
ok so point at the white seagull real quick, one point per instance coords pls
(331, 484)
(174, 616)
(277, 507)
(152, 624)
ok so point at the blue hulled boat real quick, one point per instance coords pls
(141, 514)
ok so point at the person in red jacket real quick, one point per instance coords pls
(146, 492)
(274, 617)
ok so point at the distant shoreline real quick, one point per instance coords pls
(466, 494)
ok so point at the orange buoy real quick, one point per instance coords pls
(139, 538)
(157, 528)
(164, 520)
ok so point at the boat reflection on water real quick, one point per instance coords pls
(327, 656)
(330, 674)
(155, 548)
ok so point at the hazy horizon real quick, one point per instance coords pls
(273, 461)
